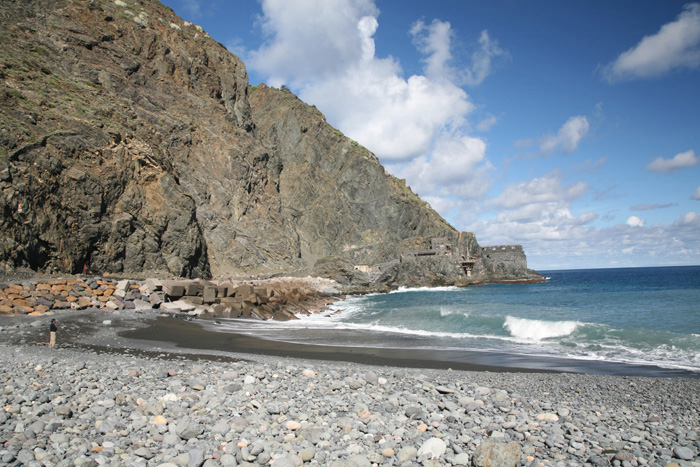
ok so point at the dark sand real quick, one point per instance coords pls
(190, 335)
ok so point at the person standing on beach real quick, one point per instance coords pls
(52, 334)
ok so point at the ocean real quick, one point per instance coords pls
(627, 321)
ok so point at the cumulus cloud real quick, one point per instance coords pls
(309, 38)
(676, 45)
(689, 219)
(455, 167)
(546, 189)
(567, 138)
(557, 238)
(696, 195)
(635, 221)
(680, 161)
(536, 210)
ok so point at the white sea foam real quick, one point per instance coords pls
(537, 330)
(427, 289)
(451, 311)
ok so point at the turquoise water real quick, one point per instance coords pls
(635, 316)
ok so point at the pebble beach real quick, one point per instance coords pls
(101, 398)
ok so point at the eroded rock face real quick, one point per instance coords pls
(130, 142)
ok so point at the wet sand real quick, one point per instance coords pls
(173, 337)
(191, 335)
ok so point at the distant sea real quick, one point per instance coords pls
(628, 321)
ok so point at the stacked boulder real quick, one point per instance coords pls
(38, 297)
(233, 299)
(196, 297)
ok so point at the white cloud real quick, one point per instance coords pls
(487, 123)
(434, 41)
(696, 195)
(482, 60)
(538, 214)
(676, 45)
(310, 38)
(537, 210)
(546, 189)
(395, 118)
(635, 221)
(455, 167)
(567, 138)
(680, 161)
(689, 219)
(554, 237)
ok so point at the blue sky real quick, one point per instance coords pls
(570, 127)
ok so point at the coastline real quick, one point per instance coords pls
(140, 388)
(151, 332)
(191, 335)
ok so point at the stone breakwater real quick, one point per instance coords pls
(70, 408)
(277, 299)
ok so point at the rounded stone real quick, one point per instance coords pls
(292, 425)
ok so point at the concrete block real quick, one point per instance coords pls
(193, 288)
(234, 302)
(141, 304)
(156, 299)
(222, 291)
(151, 285)
(193, 300)
(209, 294)
(245, 291)
(170, 306)
(174, 289)
(184, 304)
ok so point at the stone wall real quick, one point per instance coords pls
(228, 299)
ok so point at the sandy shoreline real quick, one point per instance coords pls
(193, 335)
(149, 331)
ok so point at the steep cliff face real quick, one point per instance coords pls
(334, 192)
(131, 142)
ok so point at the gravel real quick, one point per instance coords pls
(78, 407)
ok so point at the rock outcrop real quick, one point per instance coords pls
(131, 143)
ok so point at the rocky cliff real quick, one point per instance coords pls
(131, 142)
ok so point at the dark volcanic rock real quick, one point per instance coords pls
(131, 142)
